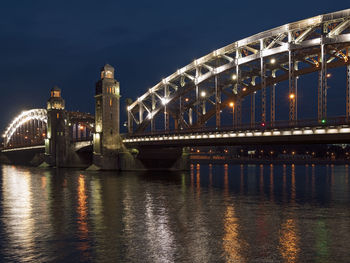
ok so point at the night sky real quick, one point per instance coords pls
(65, 43)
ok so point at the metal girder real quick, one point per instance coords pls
(339, 28)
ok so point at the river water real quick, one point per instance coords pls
(223, 213)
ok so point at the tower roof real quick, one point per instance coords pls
(55, 88)
(108, 67)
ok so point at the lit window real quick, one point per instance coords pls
(110, 102)
(58, 115)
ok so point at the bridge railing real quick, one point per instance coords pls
(297, 124)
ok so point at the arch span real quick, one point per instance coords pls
(202, 89)
(23, 118)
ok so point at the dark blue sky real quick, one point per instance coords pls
(65, 43)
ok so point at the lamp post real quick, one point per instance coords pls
(232, 105)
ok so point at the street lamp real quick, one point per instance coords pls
(232, 105)
(292, 96)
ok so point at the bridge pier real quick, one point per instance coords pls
(155, 158)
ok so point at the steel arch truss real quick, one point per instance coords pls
(202, 89)
(29, 127)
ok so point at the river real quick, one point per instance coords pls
(213, 213)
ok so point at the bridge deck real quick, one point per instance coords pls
(309, 134)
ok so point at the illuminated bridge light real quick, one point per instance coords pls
(308, 132)
(249, 134)
(257, 133)
(332, 131)
(344, 130)
(225, 135)
(297, 132)
(267, 133)
(198, 136)
(233, 134)
(287, 133)
(241, 134)
(320, 131)
(218, 135)
(276, 133)
(212, 136)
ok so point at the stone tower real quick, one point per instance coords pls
(56, 142)
(107, 141)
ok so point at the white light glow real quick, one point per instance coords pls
(165, 101)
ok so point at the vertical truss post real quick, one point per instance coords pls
(296, 95)
(198, 73)
(153, 123)
(166, 108)
(348, 92)
(273, 104)
(238, 111)
(190, 119)
(252, 109)
(292, 94)
(33, 128)
(322, 85)
(263, 83)
(217, 103)
(347, 87)
(181, 112)
(129, 122)
(140, 112)
(263, 90)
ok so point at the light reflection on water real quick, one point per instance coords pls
(228, 213)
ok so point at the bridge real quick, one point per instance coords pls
(236, 84)
(32, 133)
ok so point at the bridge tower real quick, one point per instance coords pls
(56, 144)
(107, 141)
